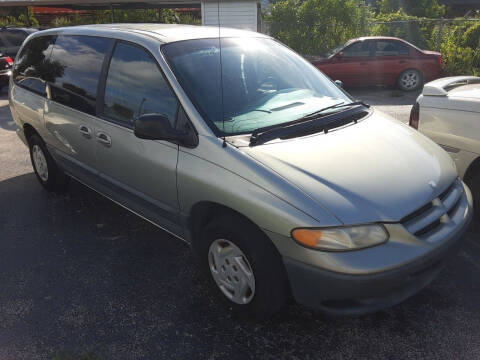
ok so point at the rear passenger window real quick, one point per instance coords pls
(80, 59)
(33, 65)
(391, 48)
(135, 86)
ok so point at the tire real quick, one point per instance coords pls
(246, 250)
(410, 80)
(474, 185)
(50, 176)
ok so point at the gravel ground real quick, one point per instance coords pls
(393, 102)
(80, 275)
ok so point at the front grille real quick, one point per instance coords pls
(431, 218)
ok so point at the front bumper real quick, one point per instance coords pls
(369, 280)
(359, 294)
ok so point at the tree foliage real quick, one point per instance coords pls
(420, 8)
(460, 49)
(408, 27)
(316, 26)
(16, 16)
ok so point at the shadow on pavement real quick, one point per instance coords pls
(80, 274)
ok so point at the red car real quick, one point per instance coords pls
(6, 63)
(381, 61)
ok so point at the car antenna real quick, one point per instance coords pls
(221, 75)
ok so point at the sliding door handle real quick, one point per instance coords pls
(104, 139)
(85, 131)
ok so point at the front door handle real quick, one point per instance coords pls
(363, 63)
(85, 131)
(104, 139)
(402, 61)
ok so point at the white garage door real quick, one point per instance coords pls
(236, 14)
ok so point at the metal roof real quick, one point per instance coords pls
(164, 32)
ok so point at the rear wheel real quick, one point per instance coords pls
(47, 172)
(410, 80)
(244, 268)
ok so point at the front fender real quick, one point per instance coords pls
(234, 180)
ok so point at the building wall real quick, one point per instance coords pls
(236, 14)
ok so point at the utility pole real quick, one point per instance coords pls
(27, 17)
(112, 14)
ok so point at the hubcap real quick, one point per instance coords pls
(231, 271)
(410, 80)
(40, 162)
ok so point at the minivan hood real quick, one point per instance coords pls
(376, 170)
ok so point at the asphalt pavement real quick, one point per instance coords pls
(81, 276)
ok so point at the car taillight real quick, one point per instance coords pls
(414, 116)
(439, 60)
(9, 60)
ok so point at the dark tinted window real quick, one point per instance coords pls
(81, 59)
(33, 65)
(14, 37)
(360, 49)
(135, 86)
(391, 48)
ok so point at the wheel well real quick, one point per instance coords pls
(29, 130)
(203, 212)
(472, 170)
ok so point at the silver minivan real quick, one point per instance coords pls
(283, 185)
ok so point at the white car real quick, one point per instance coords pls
(448, 112)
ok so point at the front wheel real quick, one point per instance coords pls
(474, 185)
(410, 80)
(243, 266)
(47, 172)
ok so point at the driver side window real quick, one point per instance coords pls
(135, 86)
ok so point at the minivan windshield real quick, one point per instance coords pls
(264, 83)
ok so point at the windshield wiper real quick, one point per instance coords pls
(256, 134)
(308, 125)
(335, 106)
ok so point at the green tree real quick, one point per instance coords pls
(316, 26)
(404, 26)
(420, 8)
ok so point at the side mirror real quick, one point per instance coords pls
(339, 83)
(157, 127)
(339, 55)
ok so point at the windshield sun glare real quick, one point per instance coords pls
(262, 83)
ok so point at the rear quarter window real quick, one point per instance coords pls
(79, 60)
(33, 66)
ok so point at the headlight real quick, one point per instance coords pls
(341, 238)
